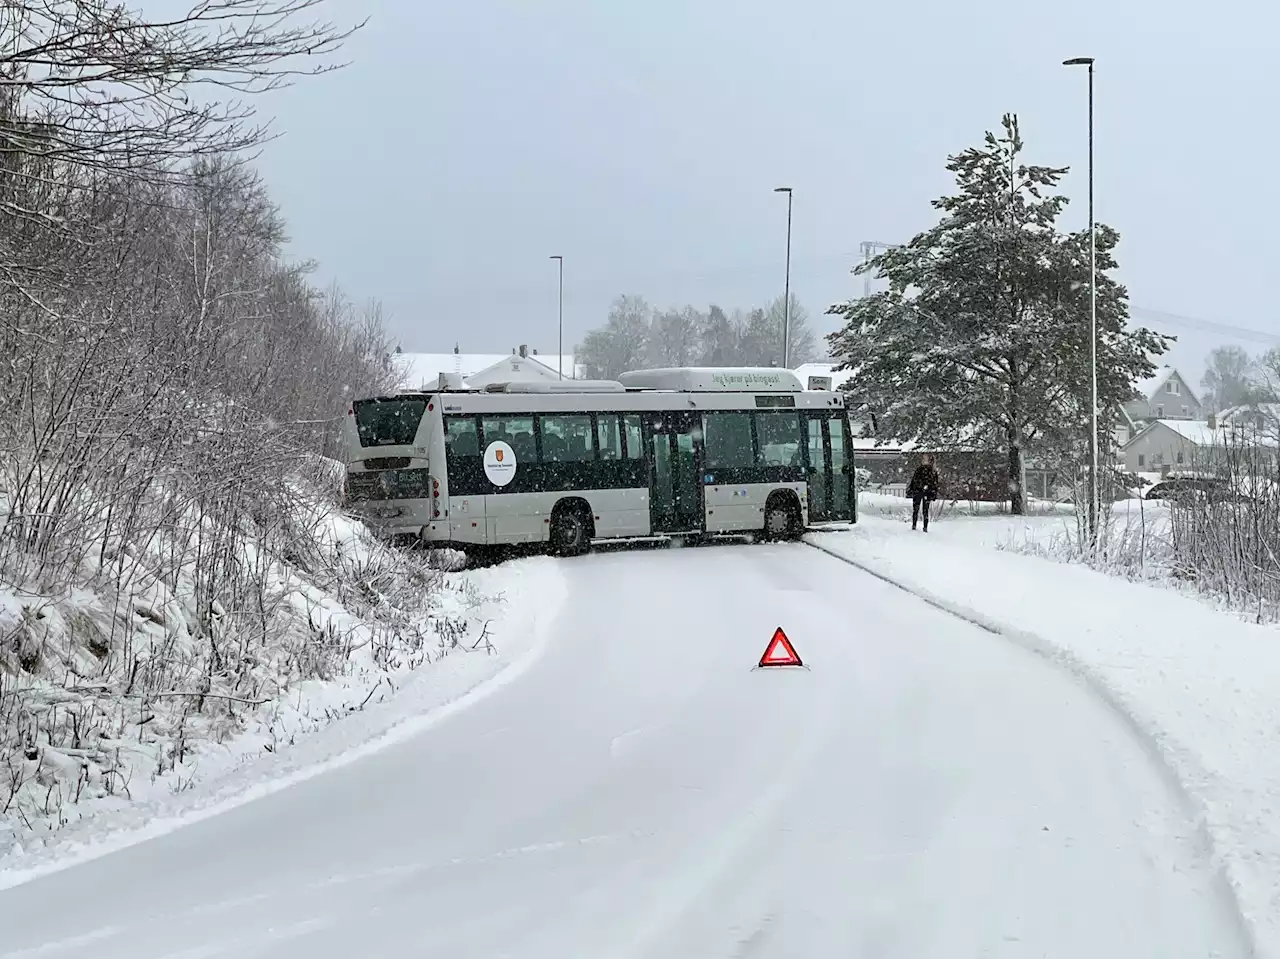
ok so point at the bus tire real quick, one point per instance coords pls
(572, 528)
(782, 518)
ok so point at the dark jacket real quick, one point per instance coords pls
(925, 482)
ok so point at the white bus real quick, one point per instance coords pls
(655, 454)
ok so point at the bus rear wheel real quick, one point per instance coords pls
(570, 530)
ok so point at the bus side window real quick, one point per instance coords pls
(463, 462)
(631, 426)
(779, 434)
(566, 438)
(516, 431)
(460, 436)
(728, 440)
(608, 436)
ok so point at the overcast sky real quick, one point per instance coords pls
(642, 140)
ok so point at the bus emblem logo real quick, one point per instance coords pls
(499, 463)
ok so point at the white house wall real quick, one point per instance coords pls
(422, 370)
(1165, 405)
(513, 369)
(1157, 448)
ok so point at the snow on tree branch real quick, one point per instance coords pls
(984, 328)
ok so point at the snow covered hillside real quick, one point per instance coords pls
(139, 681)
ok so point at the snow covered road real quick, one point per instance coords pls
(923, 790)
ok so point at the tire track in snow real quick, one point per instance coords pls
(1168, 759)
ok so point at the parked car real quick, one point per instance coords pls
(1187, 488)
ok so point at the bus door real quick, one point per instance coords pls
(830, 466)
(675, 453)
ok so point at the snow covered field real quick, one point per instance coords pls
(989, 524)
(1199, 685)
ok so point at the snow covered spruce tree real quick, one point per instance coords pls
(981, 340)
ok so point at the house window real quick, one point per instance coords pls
(1159, 412)
(1142, 460)
(1174, 387)
(1179, 457)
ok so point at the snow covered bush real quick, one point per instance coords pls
(125, 677)
(1224, 534)
(1214, 529)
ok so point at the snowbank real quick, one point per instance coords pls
(1198, 684)
(530, 593)
(116, 728)
(979, 523)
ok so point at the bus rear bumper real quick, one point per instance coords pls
(389, 520)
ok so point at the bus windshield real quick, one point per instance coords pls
(389, 422)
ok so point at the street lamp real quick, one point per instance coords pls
(1093, 322)
(560, 347)
(786, 294)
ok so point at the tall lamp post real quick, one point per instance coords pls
(786, 293)
(1093, 322)
(560, 347)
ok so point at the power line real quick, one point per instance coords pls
(1204, 326)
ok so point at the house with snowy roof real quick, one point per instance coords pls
(1264, 417)
(417, 371)
(1165, 445)
(1165, 395)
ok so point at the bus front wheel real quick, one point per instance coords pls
(782, 517)
(571, 529)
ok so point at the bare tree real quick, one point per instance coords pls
(171, 386)
(94, 84)
(623, 342)
(94, 96)
(720, 339)
(1228, 379)
(673, 338)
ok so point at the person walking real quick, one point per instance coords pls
(923, 489)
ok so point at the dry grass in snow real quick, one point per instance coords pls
(138, 681)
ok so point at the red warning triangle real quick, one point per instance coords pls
(780, 652)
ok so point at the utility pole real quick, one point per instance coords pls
(868, 248)
(560, 346)
(786, 294)
(1094, 503)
